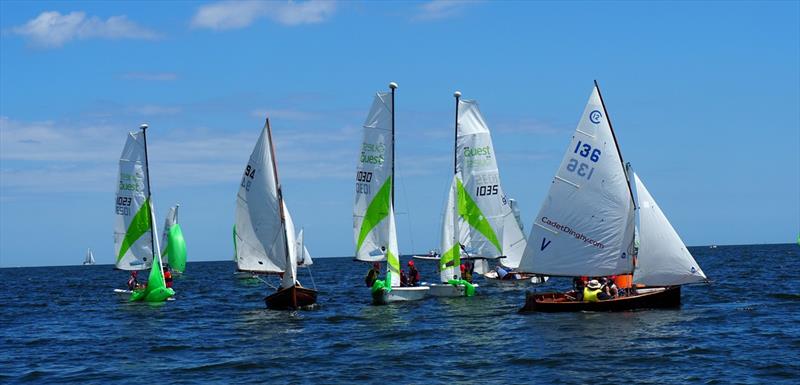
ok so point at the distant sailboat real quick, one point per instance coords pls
(373, 212)
(134, 230)
(264, 233)
(89, 258)
(174, 244)
(303, 256)
(586, 227)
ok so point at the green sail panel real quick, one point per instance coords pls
(140, 224)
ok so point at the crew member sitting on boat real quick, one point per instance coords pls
(413, 274)
(403, 278)
(503, 274)
(372, 274)
(466, 271)
(591, 291)
(167, 277)
(133, 281)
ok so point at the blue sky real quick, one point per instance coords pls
(704, 98)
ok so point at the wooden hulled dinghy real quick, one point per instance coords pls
(291, 298)
(648, 298)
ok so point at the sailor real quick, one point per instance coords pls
(372, 274)
(167, 277)
(413, 274)
(591, 290)
(133, 282)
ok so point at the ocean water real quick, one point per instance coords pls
(65, 325)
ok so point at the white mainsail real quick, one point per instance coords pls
(290, 275)
(132, 224)
(486, 223)
(373, 211)
(585, 225)
(303, 256)
(663, 258)
(259, 234)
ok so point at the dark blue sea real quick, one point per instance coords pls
(65, 325)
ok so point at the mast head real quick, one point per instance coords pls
(143, 126)
(392, 85)
(457, 94)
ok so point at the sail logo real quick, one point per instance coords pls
(372, 153)
(129, 182)
(595, 116)
(477, 151)
(577, 235)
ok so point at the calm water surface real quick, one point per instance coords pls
(64, 324)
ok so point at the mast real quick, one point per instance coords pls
(613, 135)
(280, 206)
(393, 86)
(456, 240)
(621, 163)
(144, 127)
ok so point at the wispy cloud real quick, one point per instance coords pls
(239, 14)
(52, 29)
(442, 9)
(72, 157)
(150, 76)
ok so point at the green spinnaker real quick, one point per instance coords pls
(469, 289)
(176, 248)
(156, 289)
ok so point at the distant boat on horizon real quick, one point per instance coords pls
(89, 258)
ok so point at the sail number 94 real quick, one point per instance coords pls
(249, 175)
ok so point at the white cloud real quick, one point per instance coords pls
(73, 158)
(239, 14)
(152, 76)
(441, 9)
(52, 29)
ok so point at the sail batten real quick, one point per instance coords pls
(586, 223)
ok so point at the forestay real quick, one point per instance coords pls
(663, 258)
(373, 213)
(258, 235)
(585, 225)
(132, 224)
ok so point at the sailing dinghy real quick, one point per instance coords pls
(174, 244)
(264, 233)
(373, 212)
(586, 227)
(135, 242)
(89, 260)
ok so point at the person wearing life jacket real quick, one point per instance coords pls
(413, 274)
(133, 281)
(167, 277)
(591, 290)
(372, 274)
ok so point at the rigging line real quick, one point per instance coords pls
(312, 277)
(266, 282)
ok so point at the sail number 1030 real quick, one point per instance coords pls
(363, 179)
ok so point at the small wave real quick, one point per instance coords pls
(787, 296)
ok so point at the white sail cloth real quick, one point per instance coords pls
(663, 258)
(259, 234)
(586, 223)
(132, 225)
(373, 213)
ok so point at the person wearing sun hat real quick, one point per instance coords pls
(591, 290)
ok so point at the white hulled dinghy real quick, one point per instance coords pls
(135, 242)
(373, 212)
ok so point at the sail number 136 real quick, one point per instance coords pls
(585, 150)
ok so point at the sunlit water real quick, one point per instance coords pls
(64, 324)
